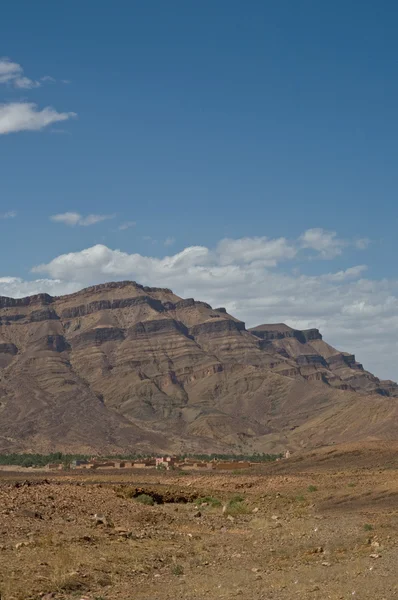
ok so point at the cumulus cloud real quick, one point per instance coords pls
(10, 214)
(25, 116)
(74, 218)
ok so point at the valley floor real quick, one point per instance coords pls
(318, 527)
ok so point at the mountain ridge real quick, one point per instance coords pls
(121, 366)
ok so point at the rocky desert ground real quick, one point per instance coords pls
(319, 525)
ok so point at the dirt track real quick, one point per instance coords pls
(324, 526)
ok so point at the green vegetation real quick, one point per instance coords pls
(312, 488)
(368, 527)
(145, 499)
(351, 485)
(213, 502)
(236, 499)
(236, 506)
(177, 570)
(300, 498)
(39, 460)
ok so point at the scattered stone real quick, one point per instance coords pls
(22, 545)
(326, 564)
(100, 520)
(231, 518)
(275, 517)
(197, 514)
(375, 555)
(255, 510)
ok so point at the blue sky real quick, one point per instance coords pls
(233, 127)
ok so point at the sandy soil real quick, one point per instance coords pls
(317, 527)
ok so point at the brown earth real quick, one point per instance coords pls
(121, 367)
(323, 525)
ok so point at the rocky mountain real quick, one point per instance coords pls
(121, 367)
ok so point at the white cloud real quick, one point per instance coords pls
(326, 243)
(68, 218)
(93, 219)
(9, 70)
(246, 250)
(169, 241)
(350, 273)
(15, 287)
(13, 73)
(10, 214)
(127, 225)
(74, 218)
(25, 116)
(24, 83)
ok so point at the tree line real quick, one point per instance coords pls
(41, 460)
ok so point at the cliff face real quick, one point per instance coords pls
(121, 366)
(309, 350)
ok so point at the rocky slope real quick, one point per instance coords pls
(122, 367)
